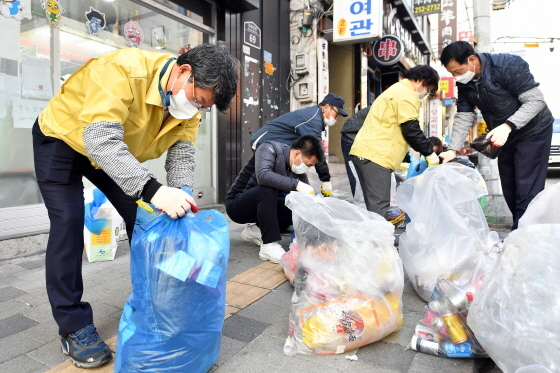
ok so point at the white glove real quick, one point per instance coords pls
(499, 134)
(432, 159)
(174, 202)
(448, 155)
(326, 189)
(305, 188)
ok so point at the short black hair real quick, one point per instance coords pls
(458, 51)
(310, 146)
(213, 68)
(437, 143)
(426, 73)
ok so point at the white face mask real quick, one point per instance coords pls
(179, 106)
(300, 169)
(330, 121)
(466, 77)
(421, 95)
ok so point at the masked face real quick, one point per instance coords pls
(466, 77)
(301, 168)
(179, 105)
(330, 115)
(421, 95)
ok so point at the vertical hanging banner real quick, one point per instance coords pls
(435, 117)
(323, 84)
(447, 24)
(322, 69)
(356, 21)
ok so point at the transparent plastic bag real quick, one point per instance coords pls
(515, 315)
(444, 324)
(172, 321)
(544, 208)
(348, 281)
(446, 224)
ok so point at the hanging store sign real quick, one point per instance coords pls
(388, 50)
(447, 24)
(356, 21)
(435, 117)
(424, 7)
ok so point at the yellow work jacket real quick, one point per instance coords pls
(380, 139)
(121, 87)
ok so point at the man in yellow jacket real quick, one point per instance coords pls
(117, 111)
(389, 128)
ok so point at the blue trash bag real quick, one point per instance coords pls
(93, 225)
(172, 321)
(416, 167)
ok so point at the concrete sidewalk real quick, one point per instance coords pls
(253, 338)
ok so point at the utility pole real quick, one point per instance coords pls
(494, 205)
(481, 18)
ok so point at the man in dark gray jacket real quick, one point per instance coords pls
(312, 120)
(504, 90)
(259, 192)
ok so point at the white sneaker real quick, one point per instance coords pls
(252, 233)
(271, 251)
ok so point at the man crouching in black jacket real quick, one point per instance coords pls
(259, 191)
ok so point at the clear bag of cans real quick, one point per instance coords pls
(443, 331)
(516, 316)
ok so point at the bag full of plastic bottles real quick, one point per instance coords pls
(172, 321)
(348, 279)
(443, 331)
(516, 315)
(544, 208)
(446, 225)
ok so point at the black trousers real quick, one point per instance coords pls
(261, 204)
(59, 170)
(375, 181)
(346, 145)
(523, 169)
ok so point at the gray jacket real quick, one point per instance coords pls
(271, 167)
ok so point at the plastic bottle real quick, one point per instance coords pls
(453, 350)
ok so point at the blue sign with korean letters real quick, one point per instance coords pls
(356, 21)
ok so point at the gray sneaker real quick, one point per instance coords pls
(252, 233)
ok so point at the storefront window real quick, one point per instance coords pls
(26, 76)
